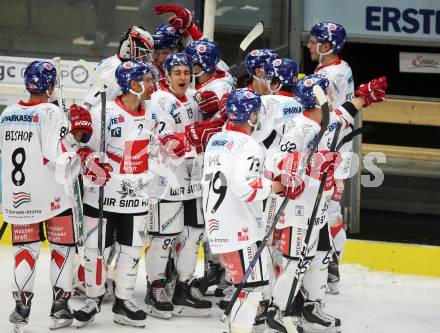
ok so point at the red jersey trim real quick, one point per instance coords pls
(285, 93)
(182, 99)
(118, 101)
(336, 62)
(23, 103)
(218, 75)
(307, 114)
(230, 126)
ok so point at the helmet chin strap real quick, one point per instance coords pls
(318, 45)
(51, 97)
(138, 94)
(198, 75)
(272, 92)
(170, 87)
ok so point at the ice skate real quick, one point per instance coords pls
(278, 323)
(60, 314)
(158, 303)
(314, 319)
(187, 300)
(88, 311)
(20, 316)
(127, 313)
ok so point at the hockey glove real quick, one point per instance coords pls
(174, 145)
(208, 102)
(287, 172)
(199, 133)
(80, 122)
(98, 174)
(373, 91)
(183, 20)
(222, 105)
(324, 161)
(339, 190)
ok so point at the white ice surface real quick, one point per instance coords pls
(369, 302)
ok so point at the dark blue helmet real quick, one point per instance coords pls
(166, 36)
(258, 58)
(330, 32)
(241, 103)
(304, 89)
(176, 59)
(204, 53)
(39, 75)
(128, 71)
(284, 69)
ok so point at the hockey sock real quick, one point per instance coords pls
(126, 268)
(245, 309)
(26, 256)
(187, 250)
(315, 279)
(61, 266)
(156, 257)
(339, 237)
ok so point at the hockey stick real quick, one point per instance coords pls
(324, 124)
(101, 88)
(256, 32)
(350, 136)
(77, 209)
(3, 229)
(304, 250)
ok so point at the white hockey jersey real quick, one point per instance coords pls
(221, 83)
(178, 179)
(276, 111)
(31, 142)
(299, 136)
(127, 140)
(341, 81)
(106, 71)
(233, 191)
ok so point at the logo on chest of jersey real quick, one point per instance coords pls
(20, 198)
(116, 132)
(116, 120)
(213, 225)
(54, 205)
(243, 234)
(21, 118)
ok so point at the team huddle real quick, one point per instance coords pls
(176, 157)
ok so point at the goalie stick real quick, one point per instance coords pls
(324, 124)
(100, 85)
(77, 209)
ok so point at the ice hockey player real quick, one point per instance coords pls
(233, 192)
(129, 129)
(325, 44)
(166, 40)
(302, 132)
(135, 44)
(180, 30)
(179, 213)
(255, 61)
(33, 137)
(212, 84)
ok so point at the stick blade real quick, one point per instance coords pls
(256, 31)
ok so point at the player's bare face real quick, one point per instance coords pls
(311, 45)
(260, 82)
(148, 86)
(180, 78)
(161, 54)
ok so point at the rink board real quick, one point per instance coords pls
(377, 256)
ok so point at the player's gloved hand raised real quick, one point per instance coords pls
(373, 91)
(208, 102)
(96, 173)
(174, 145)
(182, 19)
(80, 123)
(199, 133)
